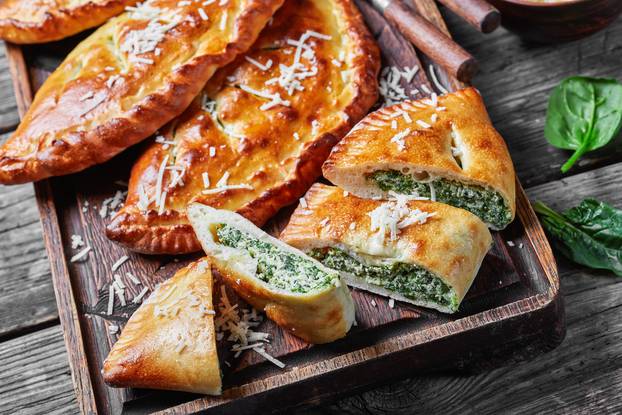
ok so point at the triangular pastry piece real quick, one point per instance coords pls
(127, 79)
(38, 21)
(443, 148)
(417, 251)
(295, 291)
(256, 137)
(170, 341)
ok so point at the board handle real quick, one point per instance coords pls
(478, 13)
(430, 40)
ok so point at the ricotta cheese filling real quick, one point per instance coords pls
(411, 281)
(277, 267)
(488, 205)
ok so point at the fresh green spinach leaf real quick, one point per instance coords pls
(589, 234)
(583, 114)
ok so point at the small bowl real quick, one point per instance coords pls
(558, 21)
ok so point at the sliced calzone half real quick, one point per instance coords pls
(38, 21)
(126, 80)
(442, 148)
(297, 292)
(420, 252)
(170, 341)
(255, 139)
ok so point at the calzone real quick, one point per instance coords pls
(441, 148)
(126, 80)
(256, 137)
(170, 341)
(37, 21)
(420, 252)
(297, 292)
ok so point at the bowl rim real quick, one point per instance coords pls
(535, 3)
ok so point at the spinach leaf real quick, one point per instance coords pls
(583, 114)
(589, 234)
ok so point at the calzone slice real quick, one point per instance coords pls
(126, 80)
(37, 21)
(295, 291)
(256, 137)
(420, 252)
(170, 341)
(444, 148)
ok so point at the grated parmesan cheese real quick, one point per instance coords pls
(132, 278)
(263, 67)
(119, 262)
(399, 139)
(423, 124)
(82, 255)
(394, 215)
(76, 242)
(203, 14)
(140, 296)
(110, 300)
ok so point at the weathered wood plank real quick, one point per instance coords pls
(516, 80)
(26, 293)
(35, 376)
(8, 108)
(559, 380)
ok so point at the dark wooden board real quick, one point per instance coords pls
(513, 304)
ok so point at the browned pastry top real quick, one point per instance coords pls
(37, 21)
(255, 139)
(125, 81)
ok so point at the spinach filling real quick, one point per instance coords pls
(489, 205)
(409, 280)
(278, 268)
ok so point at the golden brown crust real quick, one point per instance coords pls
(451, 244)
(279, 167)
(101, 100)
(319, 316)
(170, 341)
(38, 21)
(461, 123)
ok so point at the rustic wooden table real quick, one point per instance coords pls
(583, 375)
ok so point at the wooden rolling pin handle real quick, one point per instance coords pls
(478, 13)
(435, 44)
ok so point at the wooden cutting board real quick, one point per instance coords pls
(512, 312)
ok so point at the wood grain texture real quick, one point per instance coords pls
(506, 65)
(582, 374)
(26, 295)
(522, 299)
(8, 107)
(35, 376)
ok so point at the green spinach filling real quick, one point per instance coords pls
(275, 266)
(489, 205)
(409, 280)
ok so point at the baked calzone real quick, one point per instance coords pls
(421, 252)
(37, 21)
(170, 341)
(126, 80)
(297, 292)
(442, 148)
(256, 137)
